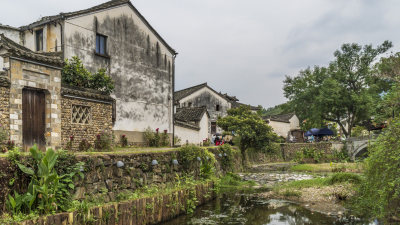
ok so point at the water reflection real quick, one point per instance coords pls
(247, 209)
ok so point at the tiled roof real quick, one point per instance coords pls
(188, 91)
(280, 118)
(16, 50)
(238, 104)
(186, 125)
(190, 114)
(106, 5)
(86, 93)
(9, 27)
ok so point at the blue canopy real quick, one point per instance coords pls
(319, 132)
(313, 131)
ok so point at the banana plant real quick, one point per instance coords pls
(43, 186)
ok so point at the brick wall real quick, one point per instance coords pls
(101, 120)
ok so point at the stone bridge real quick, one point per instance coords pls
(358, 146)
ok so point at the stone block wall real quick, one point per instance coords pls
(153, 210)
(101, 120)
(289, 149)
(29, 75)
(104, 179)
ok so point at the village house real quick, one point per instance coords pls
(192, 124)
(114, 36)
(217, 104)
(285, 125)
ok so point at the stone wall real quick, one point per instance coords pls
(289, 149)
(143, 211)
(100, 120)
(37, 76)
(104, 179)
(4, 103)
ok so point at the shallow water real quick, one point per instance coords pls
(248, 209)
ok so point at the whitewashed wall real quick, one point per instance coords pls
(11, 34)
(280, 128)
(143, 90)
(194, 136)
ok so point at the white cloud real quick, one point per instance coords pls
(241, 47)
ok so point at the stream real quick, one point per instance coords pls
(247, 208)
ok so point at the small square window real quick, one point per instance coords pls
(217, 108)
(190, 104)
(39, 40)
(101, 44)
(81, 114)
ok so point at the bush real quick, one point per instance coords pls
(47, 191)
(379, 194)
(123, 140)
(75, 74)
(84, 145)
(344, 177)
(189, 156)
(308, 154)
(103, 142)
(154, 139)
(227, 153)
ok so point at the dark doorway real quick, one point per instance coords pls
(213, 127)
(33, 118)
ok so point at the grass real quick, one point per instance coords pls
(319, 182)
(231, 182)
(328, 167)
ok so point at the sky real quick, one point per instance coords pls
(245, 48)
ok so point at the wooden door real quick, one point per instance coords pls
(33, 118)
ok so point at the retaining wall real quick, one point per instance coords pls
(135, 212)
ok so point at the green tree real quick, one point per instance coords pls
(250, 128)
(378, 196)
(344, 92)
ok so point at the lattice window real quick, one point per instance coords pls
(81, 114)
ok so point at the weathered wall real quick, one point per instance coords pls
(280, 128)
(11, 34)
(51, 38)
(101, 120)
(138, 62)
(294, 123)
(4, 103)
(193, 136)
(208, 98)
(187, 135)
(28, 75)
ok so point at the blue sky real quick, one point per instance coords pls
(245, 48)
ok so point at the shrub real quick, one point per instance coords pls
(164, 140)
(103, 142)
(154, 139)
(206, 142)
(123, 140)
(47, 191)
(84, 145)
(188, 157)
(227, 153)
(344, 177)
(177, 140)
(307, 154)
(75, 74)
(379, 194)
